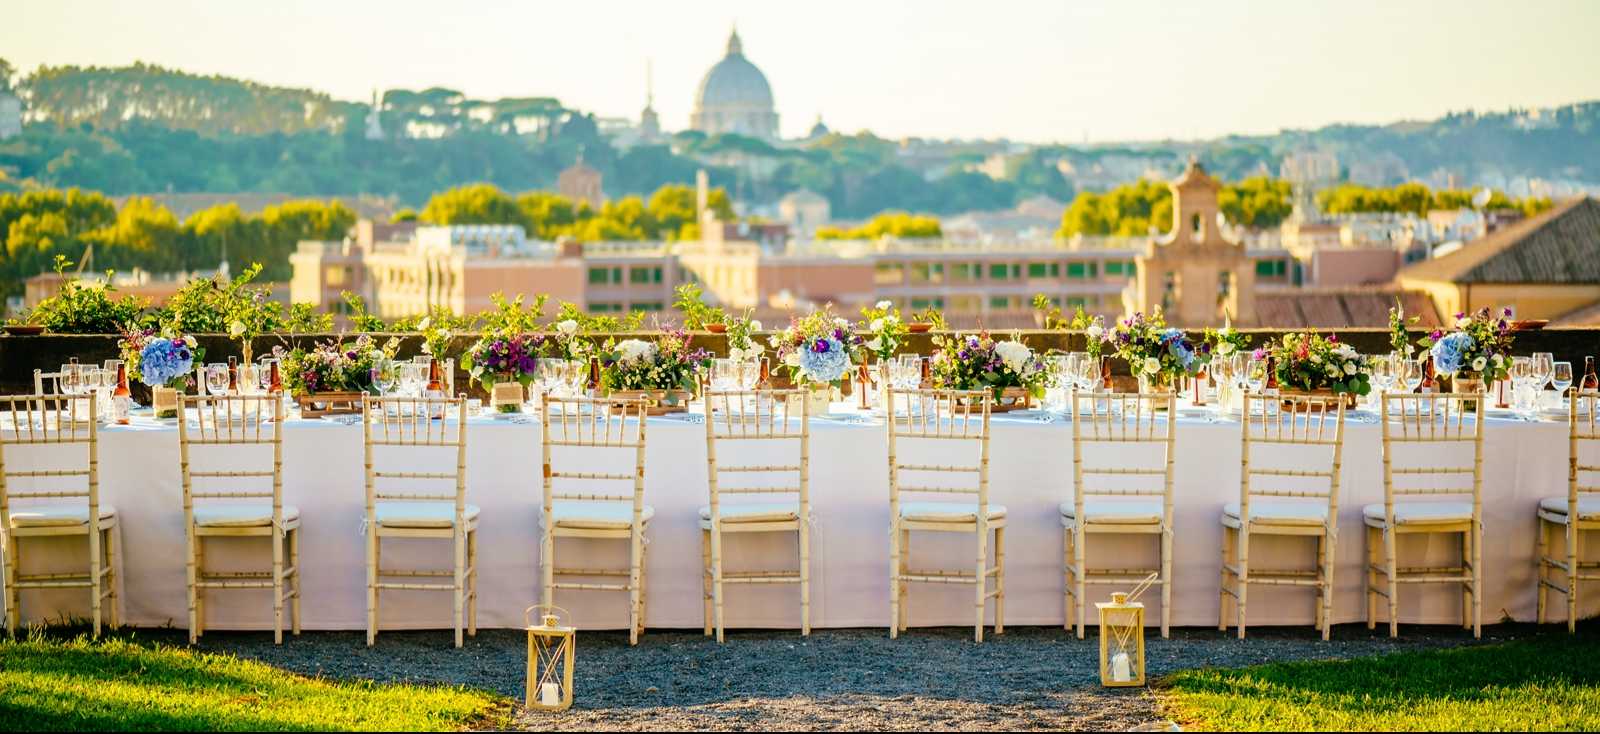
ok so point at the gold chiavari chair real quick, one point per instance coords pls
(52, 425)
(752, 417)
(40, 377)
(1103, 422)
(1301, 502)
(1571, 515)
(953, 420)
(234, 431)
(417, 428)
(604, 427)
(1428, 425)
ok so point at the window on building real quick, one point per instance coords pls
(605, 307)
(1000, 303)
(647, 306)
(1002, 271)
(918, 304)
(336, 276)
(1082, 270)
(965, 304)
(1044, 270)
(888, 273)
(1113, 267)
(966, 272)
(1271, 268)
(1077, 302)
(605, 276)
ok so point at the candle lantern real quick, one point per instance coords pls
(550, 651)
(1122, 637)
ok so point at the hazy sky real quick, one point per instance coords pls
(1039, 71)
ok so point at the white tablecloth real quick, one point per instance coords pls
(1030, 475)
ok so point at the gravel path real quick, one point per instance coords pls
(1028, 678)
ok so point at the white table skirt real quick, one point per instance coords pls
(1030, 474)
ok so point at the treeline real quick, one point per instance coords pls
(1416, 198)
(38, 226)
(893, 224)
(1133, 209)
(668, 214)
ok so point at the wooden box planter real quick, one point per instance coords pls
(507, 397)
(1349, 399)
(316, 405)
(1011, 398)
(658, 402)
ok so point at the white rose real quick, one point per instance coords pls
(190, 342)
(634, 350)
(876, 325)
(755, 325)
(424, 323)
(884, 305)
(841, 323)
(792, 359)
(1349, 368)
(1152, 365)
(1226, 348)
(1014, 355)
(568, 327)
(1095, 331)
(1478, 364)
(236, 329)
(875, 344)
(736, 354)
(1316, 359)
(1347, 351)
(1462, 322)
(1499, 360)
(774, 342)
(1333, 370)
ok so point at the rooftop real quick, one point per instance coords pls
(1559, 246)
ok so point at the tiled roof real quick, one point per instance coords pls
(1561, 245)
(1340, 308)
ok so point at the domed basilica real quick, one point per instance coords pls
(734, 97)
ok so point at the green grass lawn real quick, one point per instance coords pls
(117, 684)
(1544, 683)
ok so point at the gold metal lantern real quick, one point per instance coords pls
(1122, 637)
(550, 652)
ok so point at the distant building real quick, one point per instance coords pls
(1383, 169)
(804, 211)
(581, 183)
(1197, 275)
(10, 115)
(1310, 169)
(374, 125)
(819, 130)
(734, 97)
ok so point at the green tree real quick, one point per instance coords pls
(474, 204)
(892, 224)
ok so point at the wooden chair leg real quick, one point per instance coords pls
(200, 592)
(13, 595)
(96, 581)
(372, 585)
(1166, 584)
(1541, 552)
(1079, 603)
(458, 586)
(1573, 541)
(982, 582)
(644, 586)
(1372, 578)
(193, 587)
(1067, 617)
(1477, 579)
(1222, 579)
(277, 585)
(905, 583)
(113, 554)
(894, 579)
(547, 566)
(1243, 604)
(1330, 544)
(805, 577)
(716, 581)
(1466, 588)
(294, 581)
(634, 551)
(1000, 581)
(1391, 572)
(472, 583)
(705, 577)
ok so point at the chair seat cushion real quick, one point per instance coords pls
(403, 514)
(1115, 512)
(597, 514)
(947, 511)
(753, 511)
(1588, 506)
(1278, 512)
(1422, 513)
(240, 516)
(34, 516)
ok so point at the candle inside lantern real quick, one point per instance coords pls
(550, 694)
(1121, 667)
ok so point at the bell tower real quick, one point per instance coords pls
(1196, 274)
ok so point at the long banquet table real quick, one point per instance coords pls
(1030, 475)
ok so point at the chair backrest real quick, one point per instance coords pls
(229, 430)
(607, 426)
(1140, 421)
(47, 420)
(1583, 431)
(1304, 440)
(951, 418)
(40, 377)
(1432, 423)
(745, 417)
(416, 426)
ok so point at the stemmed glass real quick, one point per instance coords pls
(1222, 369)
(1255, 375)
(724, 374)
(1522, 378)
(217, 378)
(550, 375)
(385, 376)
(1544, 367)
(1561, 377)
(1383, 374)
(1411, 373)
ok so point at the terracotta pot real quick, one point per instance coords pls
(919, 328)
(24, 330)
(717, 328)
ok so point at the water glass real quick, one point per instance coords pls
(724, 374)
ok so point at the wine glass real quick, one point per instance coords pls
(1561, 377)
(264, 373)
(385, 376)
(1544, 365)
(1255, 373)
(550, 372)
(1412, 377)
(217, 378)
(1522, 377)
(749, 373)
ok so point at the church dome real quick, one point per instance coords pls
(734, 81)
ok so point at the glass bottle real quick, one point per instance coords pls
(1591, 381)
(121, 399)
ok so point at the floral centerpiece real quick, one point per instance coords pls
(1009, 369)
(1156, 353)
(1094, 331)
(564, 342)
(330, 376)
(742, 344)
(164, 363)
(818, 350)
(1399, 334)
(666, 370)
(504, 364)
(888, 332)
(1477, 352)
(1309, 362)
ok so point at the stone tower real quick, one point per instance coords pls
(1196, 274)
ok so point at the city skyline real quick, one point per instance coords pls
(1131, 78)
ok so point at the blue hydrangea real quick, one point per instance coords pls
(825, 366)
(164, 360)
(1449, 353)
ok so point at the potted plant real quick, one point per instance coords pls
(665, 371)
(697, 316)
(504, 364)
(1307, 363)
(1008, 369)
(1476, 353)
(1156, 353)
(24, 325)
(818, 351)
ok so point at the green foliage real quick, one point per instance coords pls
(85, 307)
(84, 685)
(510, 317)
(1549, 683)
(1415, 198)
(1257, 202)
(669, 214)
(696, 314)
(892, 224)
(1133, 210)
(304, 318)
(360, 318)
(601, 323)
(213, 306)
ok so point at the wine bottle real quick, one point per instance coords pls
(1105, 373)
(233, 375)
(1591, 381)
(275, 379)
(1271, 386)
(927, 374)
(1428, 384)
(121, 399)
(765, 381)
(864, 386)
(435, 388)
(593, 385)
